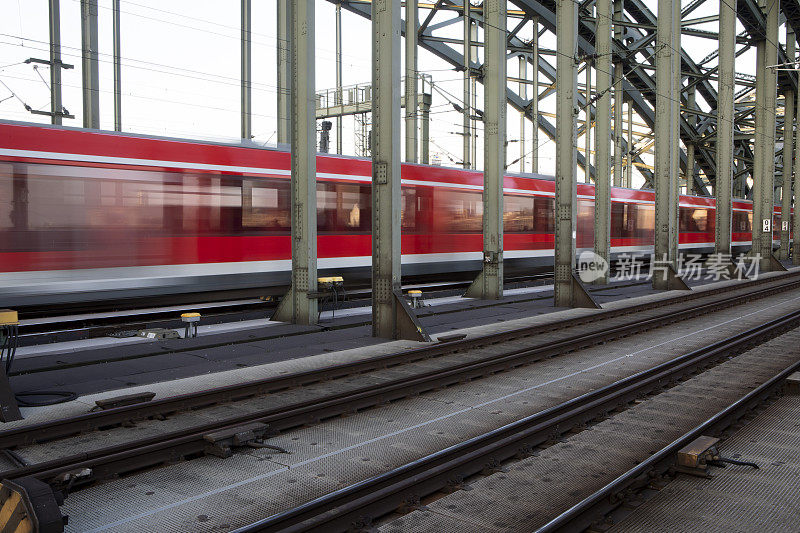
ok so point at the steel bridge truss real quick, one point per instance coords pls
(634, 49)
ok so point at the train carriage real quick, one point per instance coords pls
(87, 216)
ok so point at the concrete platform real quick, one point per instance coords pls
(97, 365)
(184, 365)
(737, 498)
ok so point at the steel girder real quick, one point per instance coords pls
(638, 84)
(441, 49)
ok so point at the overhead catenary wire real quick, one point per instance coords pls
(235, 81)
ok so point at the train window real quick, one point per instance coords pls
(408, 210)
(695, 220)
(544, 214)
(632, 221)
(585, 235)
(266, 205)
(645, 222)
(517, 214)
(741, 221)
(621, 223)
(343, 208)
(8, 199)
(459, 212)
(72, 192)
(425, 215)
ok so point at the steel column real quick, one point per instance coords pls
(758, 148)
(117, 66)
(602, 182)
(566, 151)
(796, 224)
(473, 103)
(299, 306)
(411, 81)
(619, 97)
(675, 121)
(587, 129)
(523, 94)
(629, 155)
(725, 117)
(385, 166)
(764, 193)
(339, 95)
(467, 128)
(284, 23)
(56, 107)
(90, 68)
(691, 103)
(788, 155)
(246, 89)
(489, 283)
(665, 172)
(425, 115)
(535, 99)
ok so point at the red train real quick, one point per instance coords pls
(87, 216)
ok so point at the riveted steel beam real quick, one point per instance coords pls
(284, 29)
(788, 155)
(411, 82)
(566, 151)
(666, 171)
(723, 188)
(489, 283)
(299, 306)
(602, 187)
(90, 66)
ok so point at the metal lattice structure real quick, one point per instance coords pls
(635, 40)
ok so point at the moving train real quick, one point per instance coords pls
(90, 216)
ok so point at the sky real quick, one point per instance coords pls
(181, 70)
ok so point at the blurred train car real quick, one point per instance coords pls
(89, 216)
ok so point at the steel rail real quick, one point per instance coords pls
(114, 460)
(119, 459)
(382, 494)
(90, 421)
(581, 515)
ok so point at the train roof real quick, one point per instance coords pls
(280, 149)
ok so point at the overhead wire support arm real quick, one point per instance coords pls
(62, 112)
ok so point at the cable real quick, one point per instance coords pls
(150, 98)
(78, 55)
(9, 335)
(720, 462)
(60, 397)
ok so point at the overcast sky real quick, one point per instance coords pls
(181, 69)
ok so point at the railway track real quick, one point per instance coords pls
(359, 504)
(495, 353)
(595, 507)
